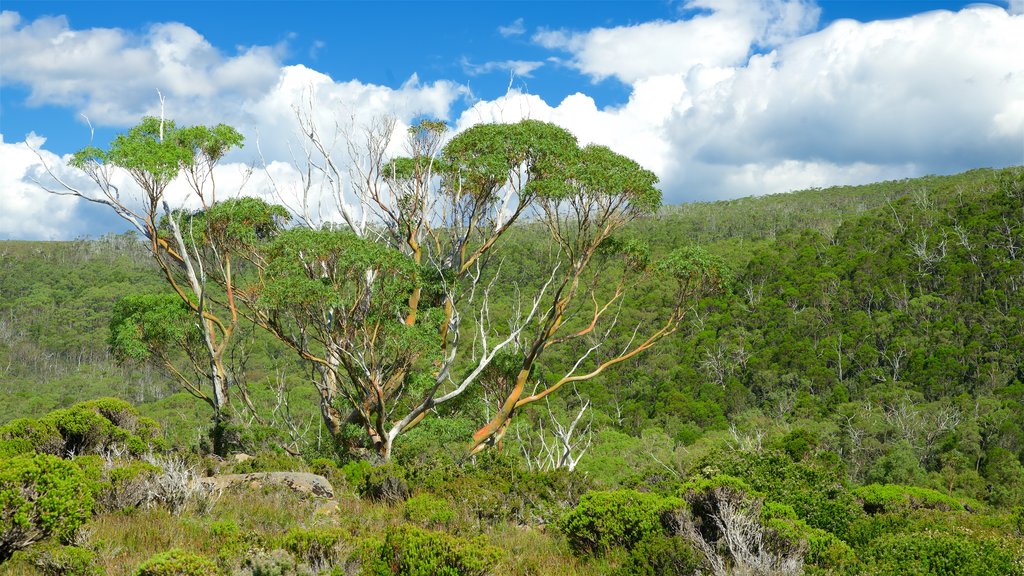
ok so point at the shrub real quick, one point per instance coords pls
(661, 555)
(177, 563)
(428, 510)
(269, 462)
(127, 486)
(273, 563)
(603, 520)
(815, 488)
(893, 497)
(729, 529)
(386, 482)
(940, 555)
(824, 549)
(411, 551)
(66, 561)
(40, 496)
(92, 427)
(317, 547)
(26, 435)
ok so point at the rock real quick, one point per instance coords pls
(302, 482)
(241, 457)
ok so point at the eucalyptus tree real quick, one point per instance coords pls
(201, 316)
(396, 315)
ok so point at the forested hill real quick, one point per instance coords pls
(869, 335)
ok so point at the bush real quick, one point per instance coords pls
(815, 488)
(661, 555)
(26, 435)
(274, 563)
(177, 563)
(270, 462)
(66, 561)
(411, 551)
(940, 555)
(386, 483)
(93, 427)
(824, 549)
(40, 496)
(317, 547)
(429, 511)
(883, 498)
(603, 520)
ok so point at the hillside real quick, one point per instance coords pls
(859, 385)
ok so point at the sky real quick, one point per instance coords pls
(720, 98)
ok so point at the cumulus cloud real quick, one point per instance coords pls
(718, 117)
(722, 36)
(737, 97)
(112, 76)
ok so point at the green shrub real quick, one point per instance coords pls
(815, 488)
(931, 554)
(317, 547)
(328, 469)
(273, 563)
(603, 520)
(91, 427)
(1017, 520)
(386, 482)
(65, 561)
(411, 551)
(824, 549)
(660, 555)
(428, 510)
(26, 435)
(878, 498)
(40, 496)
(177, 563)
(270, 462)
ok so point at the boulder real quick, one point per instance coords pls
(302, 482)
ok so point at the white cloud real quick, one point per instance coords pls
(516, 28)
(722, 37)
(112, 76)
(1015, 6)
(853, 103)
(737, 100)
(522, 68)
(26, 213)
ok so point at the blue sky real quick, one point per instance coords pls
(722, 98)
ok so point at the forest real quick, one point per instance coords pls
(551, 373)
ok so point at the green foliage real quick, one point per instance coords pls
(386, 482)
(940, 555)
(411, 551)
(606, 519)
(28, 435)
(90, 427)
(824, 549)
(428, 510)
(318, 547)
(658, 555)
(269, 462)
(40, 496)
(816, 490)
(892, 498)
(58, 560)
(177, 563)
(145, 326)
